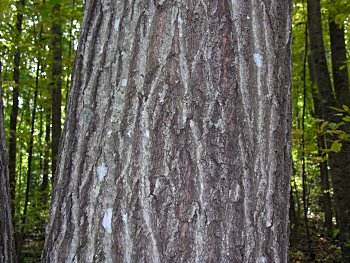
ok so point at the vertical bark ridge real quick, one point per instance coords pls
(164, 123)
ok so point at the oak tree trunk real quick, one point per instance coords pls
(176, 146)
(7, 244)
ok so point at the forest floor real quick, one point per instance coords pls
(323, 249)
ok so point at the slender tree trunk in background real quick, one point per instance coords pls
(14, 111)
(56, 95)
(293, 218)
(176, 146)
(318, 59)
(341, 162)
(321, 144)
(303, 157)
(7, 242)
(29, 169)
(44, 187)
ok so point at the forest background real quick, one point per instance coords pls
(38, 40)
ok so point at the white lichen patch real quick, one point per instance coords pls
(179, 19)
(146, 134)
(124, 82)
(101, 171)
(248, 17)
(116, 23)
(107, 220)
(262, 259)
(157, 184)
(258, 59)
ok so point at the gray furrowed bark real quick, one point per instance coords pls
(176, 146)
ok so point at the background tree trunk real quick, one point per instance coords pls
(7, 242)
(322, 144)
(15, 96)
(341, 162)
(176, 146)
(56, 77)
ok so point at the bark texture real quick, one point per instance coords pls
(56, 77)
(7, 247)
(341, 162)
(176, 146)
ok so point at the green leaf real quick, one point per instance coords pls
(346, 118)
(344, 136)
(333, 125)
(336, 109)
(336, 147)
(323, 125)
(346, 244)
(335, 233)
(346, 108)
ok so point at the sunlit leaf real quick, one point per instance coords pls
(336, 146)
(323, 125)
(346, 118)
(336, 109)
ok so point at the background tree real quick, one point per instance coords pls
(7, 244)
(15, 100)
(177, 140)
(56, 78)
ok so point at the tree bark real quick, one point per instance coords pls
(56, 78)
(176, 146)
(341, 162)
(7, 242)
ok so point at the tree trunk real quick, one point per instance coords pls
(44, 187)
(14, 111)
(29, 170)
(341, 162)
(322, 144)
(56, 95)
(176, 146)
(7, 242)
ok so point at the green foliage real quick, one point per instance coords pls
(335, 129)
(313, 137)
(34, 43)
